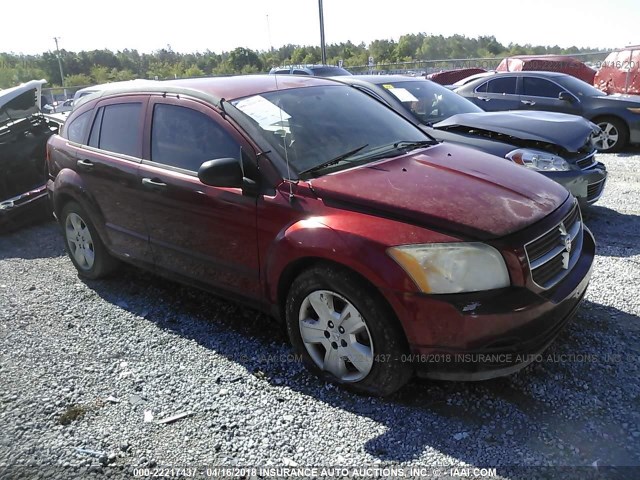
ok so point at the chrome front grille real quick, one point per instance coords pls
(552, 255)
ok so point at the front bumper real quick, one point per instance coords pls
(23, 208)
(483, 335)
(586, 185)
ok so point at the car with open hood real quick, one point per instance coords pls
(24, 132)
(385, 252)
(557, 145)
(618, 116)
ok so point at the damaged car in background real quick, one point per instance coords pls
(24, 132)
(560, 146)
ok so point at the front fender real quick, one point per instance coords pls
(313, 239)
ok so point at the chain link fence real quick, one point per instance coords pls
(423, 67)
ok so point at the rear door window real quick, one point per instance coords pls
(539, 87)
(117, 128)
(501, 85)
(76, 130)
(185, 138)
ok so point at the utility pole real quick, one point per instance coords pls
(323, 49)
(55, 39)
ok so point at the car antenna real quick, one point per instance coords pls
(286, 152)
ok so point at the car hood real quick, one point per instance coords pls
(19, 102)
(449, 188)
(620, 100)
(568, 131)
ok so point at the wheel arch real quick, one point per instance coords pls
(300, 265)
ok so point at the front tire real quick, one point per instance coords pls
(345, 331)
(83, 244)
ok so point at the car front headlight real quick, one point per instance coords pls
(538, 160)
(452, 267)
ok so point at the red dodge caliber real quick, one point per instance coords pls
(385, 252)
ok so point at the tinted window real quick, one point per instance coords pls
(498, 85)
(77, 129)
(120, 129)
(184, 138)
(539, 87)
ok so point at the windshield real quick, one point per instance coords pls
(329, 71)
(429, 102)
(313, 125)
(578, 87)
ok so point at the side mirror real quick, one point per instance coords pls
(221, 172)
(566, 97)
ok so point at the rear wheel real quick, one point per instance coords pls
(83, 244)
(345, 332)
(614, 136)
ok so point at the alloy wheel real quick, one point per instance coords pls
(608, 137)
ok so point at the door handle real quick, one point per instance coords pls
(528, 102)
(153, 184)
(85, 164)
(484, 99)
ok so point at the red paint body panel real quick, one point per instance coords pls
(548, 63)
(449, 77)
(424, 185)
(620, 72)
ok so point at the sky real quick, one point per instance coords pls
(222, 25)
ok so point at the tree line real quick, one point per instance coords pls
(101, 66)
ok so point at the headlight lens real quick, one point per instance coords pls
(452, 267)
(538, 160)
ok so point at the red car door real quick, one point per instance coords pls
(202, 233)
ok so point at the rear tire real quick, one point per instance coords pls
(83, 244)
(614, 137)
(345, 332)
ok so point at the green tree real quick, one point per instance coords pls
(78, 80)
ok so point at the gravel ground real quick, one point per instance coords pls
(85, 363)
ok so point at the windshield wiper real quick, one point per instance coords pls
(333, 161)
(411, 145)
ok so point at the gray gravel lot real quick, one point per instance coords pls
(83, 362)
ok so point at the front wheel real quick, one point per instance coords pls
(83, 244)
(345, 332)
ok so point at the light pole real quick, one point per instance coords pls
(323, 49)
(55, 39)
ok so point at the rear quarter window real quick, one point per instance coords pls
(77, 129)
